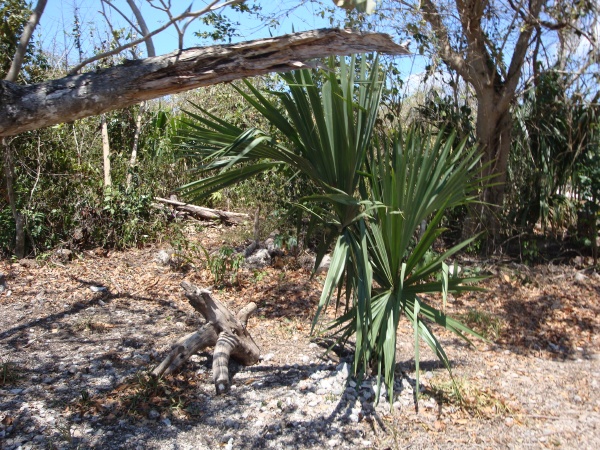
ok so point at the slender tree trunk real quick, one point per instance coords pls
(12, 200)
(136, 140)
(105, 152)
(12, 75)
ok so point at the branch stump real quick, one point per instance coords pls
(223, 331)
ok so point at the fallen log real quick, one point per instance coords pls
(203, 213)
(226, 332)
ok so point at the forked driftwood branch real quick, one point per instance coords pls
(224, 331)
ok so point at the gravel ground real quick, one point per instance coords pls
(75, 361)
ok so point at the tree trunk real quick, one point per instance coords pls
(136, 140)
(476, 61)
(105, 152)
(493, 128)
(9, 174)
(226, 332)
(24, 108)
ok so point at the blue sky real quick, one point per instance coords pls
(58, 20)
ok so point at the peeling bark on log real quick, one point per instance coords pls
(24, 108)
(226, 332)
(203, 213)
(225, 345)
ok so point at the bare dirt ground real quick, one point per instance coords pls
(75, 363)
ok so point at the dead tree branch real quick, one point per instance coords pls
(24, 108)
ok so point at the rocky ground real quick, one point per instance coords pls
(78, 338)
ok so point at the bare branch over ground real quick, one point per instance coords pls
(24, 108)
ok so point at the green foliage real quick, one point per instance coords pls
(259, 275)
(59, 184)
(270, 190)
(326, 138)
(220, 27)
(586, 180)
(317, 135)
(124, 219)
(185, 251)
(224, 261)
(411, 180)
(371, 194)
(14, 14)
(554, 162)
(7, 229)
(444, 113)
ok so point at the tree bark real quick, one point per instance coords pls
(134, 148)
(105, 152)
(24, 108)
(226, 332)
(494, 129)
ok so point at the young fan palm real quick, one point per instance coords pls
(377, 195)
(327, 123)
(410, 180)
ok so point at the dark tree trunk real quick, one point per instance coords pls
(494, 129)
